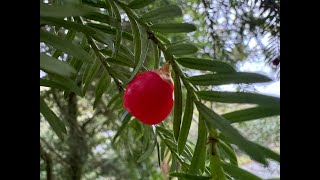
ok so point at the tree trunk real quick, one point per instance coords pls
(78, 149)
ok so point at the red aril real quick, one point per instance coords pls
(149, 96)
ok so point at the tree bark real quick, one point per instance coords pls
(78, 150)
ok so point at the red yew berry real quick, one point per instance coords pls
(149, 96)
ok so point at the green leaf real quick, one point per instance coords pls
(125, 120)
(227, 148)
(173, 149)
(189, 146)
(186, 123)
(68, 24)
(177, 106)
(158, 147)
(182, 49)
(55, 66)
(251, 114)
(114, 99)
(115, 10)
(146, 134)
(268, 152)
(165, 132)
(221, 79)
(239, 97)
(65, 10)
(125, 55)
(119, 31)
(121, 59)
(91, 70)
(238, 173)
(137, 4)
(103, 18)
(173, 28)
(56, 124)
(216, 169)
(70, 37)
(118, 42)
(174, 164)
(100, 36)
(118, 75)
(162, 148)
(85, 74)
(103, 38)
(206, 65)
(215, 121)
(53, 84)
(199, 156)
(188, 176)
(151, 146)
(99, 4)
(161, 13)
(163, 38)
(70, 84)
(108, 7)
(118, 104)
(143, 56)
(65, 46)
(169, 140)
(102, 85)
(61, 83)
(126, 52)
(136, 39)
(156, 56)
(77, 65)
(110, 30)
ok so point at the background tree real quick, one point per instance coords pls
(91, 49)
